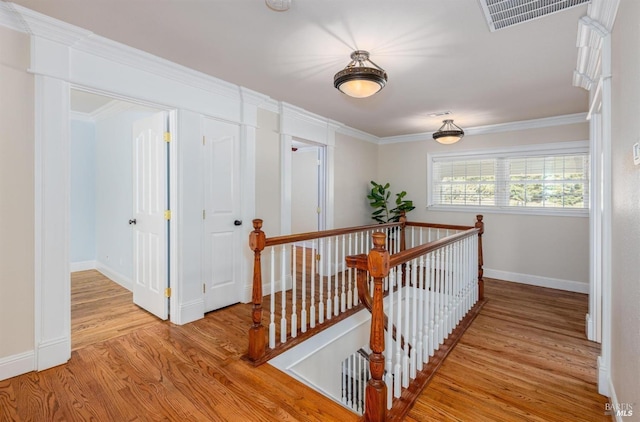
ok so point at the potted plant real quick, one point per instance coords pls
(379, 200)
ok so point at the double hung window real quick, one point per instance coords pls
(542, 179)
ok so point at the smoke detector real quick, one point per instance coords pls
(501, 14)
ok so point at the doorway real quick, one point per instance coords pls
(307, 186)
(102, 193)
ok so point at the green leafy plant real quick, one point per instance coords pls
(379, 200)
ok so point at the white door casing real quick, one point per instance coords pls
(150, 237)
(221, 214)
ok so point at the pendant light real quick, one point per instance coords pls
(448, 133)
(361, 78)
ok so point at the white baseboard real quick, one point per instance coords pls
(603, 378)
(115, 276)
(82, 266)
(12, 366)
(619, 410)
(53, 353)
(535, 280)
(191, 311)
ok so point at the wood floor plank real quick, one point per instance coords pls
(524, 358)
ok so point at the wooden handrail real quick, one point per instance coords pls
(290, 238)
(438, 226)
(409, 254)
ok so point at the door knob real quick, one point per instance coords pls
(237, 223)
(132, 221)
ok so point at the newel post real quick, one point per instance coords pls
(256, 332)
(376, 393)
(480, 225)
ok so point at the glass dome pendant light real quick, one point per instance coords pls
(448, 133)
(361, 78)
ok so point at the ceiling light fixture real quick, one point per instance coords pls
(359, 80)
(448, 133)
(278, 5)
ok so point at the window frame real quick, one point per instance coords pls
(536, 150)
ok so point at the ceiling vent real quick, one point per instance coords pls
(504, 13)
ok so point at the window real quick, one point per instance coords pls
(543, 179)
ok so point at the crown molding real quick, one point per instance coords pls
(592, 29)
(358, 134)
(567, 119)
(82, 117)
(26, 20)
(11, 19)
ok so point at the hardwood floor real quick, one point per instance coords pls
(102, 309)
(523, 359)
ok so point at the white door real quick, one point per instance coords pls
(222, 224)
(150, 226)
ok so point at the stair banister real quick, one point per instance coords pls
(257, 241)
(376, 393)
(480, 226)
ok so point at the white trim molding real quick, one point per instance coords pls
(536, 280)
(568, 119)
(18, 364)
(592, 29)
(113, 275)
(82, 266)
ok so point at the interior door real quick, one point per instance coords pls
(150, 223)
(221, 214)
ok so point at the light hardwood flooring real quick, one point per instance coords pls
(102, 309)
(524, 358)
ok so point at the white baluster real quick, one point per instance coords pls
(329, 272)
(350, 276)
(321, 250)
(389, 343)
(432, 303)
(441, 297)
(343, 398)
(424, 311)
(283, 283)
(336, 281)
(294, 293)
(397, 371)
(407, 307)
(343, 261)
(414, 318)
(272, 324)
(447, 280)
(312, 308)
(303, 311)
(352, 360)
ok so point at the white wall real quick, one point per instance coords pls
(543, 250)
(356, 164)
(82, 247)
(304, 190)
(268, 184)
(625, 289)
(17, 248)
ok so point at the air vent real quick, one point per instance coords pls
(504, 13)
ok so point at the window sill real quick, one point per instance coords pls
(563, 212)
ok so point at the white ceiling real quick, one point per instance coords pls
(439, 54)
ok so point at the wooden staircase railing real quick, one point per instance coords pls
(304, 300)
(447, 290)
(358, 267)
